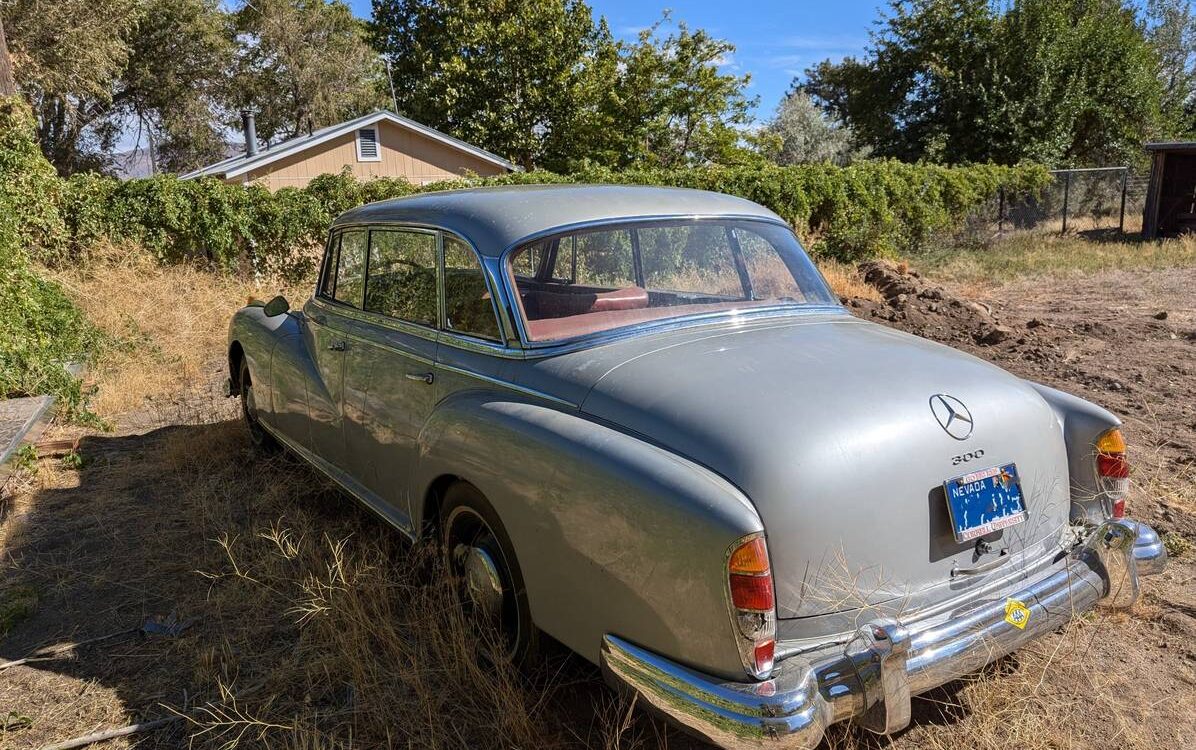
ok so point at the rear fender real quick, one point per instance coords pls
(1082, 423)
(612, 534)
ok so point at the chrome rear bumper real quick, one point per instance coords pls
(874, 676)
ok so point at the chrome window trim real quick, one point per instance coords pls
(439, 334)
(467, 339)
(557, 346)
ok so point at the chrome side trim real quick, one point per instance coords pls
(877, 672)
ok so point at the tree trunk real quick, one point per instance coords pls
(8, 85)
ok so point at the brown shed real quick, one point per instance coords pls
(381, 144)
(1171, 195)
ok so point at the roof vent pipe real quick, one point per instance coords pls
(250, 128)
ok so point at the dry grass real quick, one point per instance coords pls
(317, 627)
(845, 282)
(1045, 252)
(168, 322)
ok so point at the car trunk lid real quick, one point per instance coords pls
(827, 425)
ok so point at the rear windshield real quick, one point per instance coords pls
(612, 276)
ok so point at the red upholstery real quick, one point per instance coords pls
(541, 304)
(631, 298)
(552, 329)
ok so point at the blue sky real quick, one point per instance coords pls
(774, 39)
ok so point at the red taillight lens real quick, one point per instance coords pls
(1112, 465)
(752, 592)
(1113, 470)
(753, 603)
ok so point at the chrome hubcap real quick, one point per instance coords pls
(482, 581)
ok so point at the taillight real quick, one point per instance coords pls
(1113, 470)
(753, 603)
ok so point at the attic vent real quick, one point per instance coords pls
(367, 145)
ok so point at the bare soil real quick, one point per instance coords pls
(296, 639)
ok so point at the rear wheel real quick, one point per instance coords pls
(261, 439)
(481, 559)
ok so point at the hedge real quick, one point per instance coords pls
(872, 209)
(40, 329)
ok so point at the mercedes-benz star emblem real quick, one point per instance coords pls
(954, 417)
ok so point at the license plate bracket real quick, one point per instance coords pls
(984, 501)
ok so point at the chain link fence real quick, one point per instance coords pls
(1081, 200)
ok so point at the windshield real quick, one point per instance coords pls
(611, 276)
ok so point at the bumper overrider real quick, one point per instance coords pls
(873, 677)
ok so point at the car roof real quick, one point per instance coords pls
(495, 218)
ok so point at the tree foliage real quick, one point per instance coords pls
(173, 81)
(301, 65)
(503, 74)
(1172, 32)
(1065, 82)
(805, 135)
(566, 93)
(67, 56)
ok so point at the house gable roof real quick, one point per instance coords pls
(239, 164)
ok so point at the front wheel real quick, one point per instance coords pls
(480, 557)
(261, 439)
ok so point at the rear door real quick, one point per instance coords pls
(389, 373)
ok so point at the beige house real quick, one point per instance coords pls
(381, 144)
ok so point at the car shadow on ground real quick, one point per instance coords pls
(145, 532)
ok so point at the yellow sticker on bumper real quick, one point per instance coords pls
(1017, 614)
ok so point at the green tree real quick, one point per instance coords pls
(1065, 82)
(173, 80)
(301, 65)
(67, 56)
(505, 74)
(676, 103)
(1172, 32)
(543, 84)
(805, 135)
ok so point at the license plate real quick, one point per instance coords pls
(984, 501)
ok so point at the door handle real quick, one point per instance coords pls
(425, 377)
(337, 346)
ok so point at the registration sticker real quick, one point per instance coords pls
(1017, 614)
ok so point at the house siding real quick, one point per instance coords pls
(405, 154)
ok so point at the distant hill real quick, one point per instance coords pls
(136, 162)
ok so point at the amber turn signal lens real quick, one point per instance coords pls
(750, 558)
(1111, 442)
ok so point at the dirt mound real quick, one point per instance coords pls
(914, 305)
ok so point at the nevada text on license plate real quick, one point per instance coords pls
(984, 501)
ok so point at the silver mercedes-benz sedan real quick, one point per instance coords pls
(640, 422)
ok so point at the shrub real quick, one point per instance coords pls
(868, 209)
(40, 329)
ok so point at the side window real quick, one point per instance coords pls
(328, 272)
(467, 304)
(402, 281)
(350, 269)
